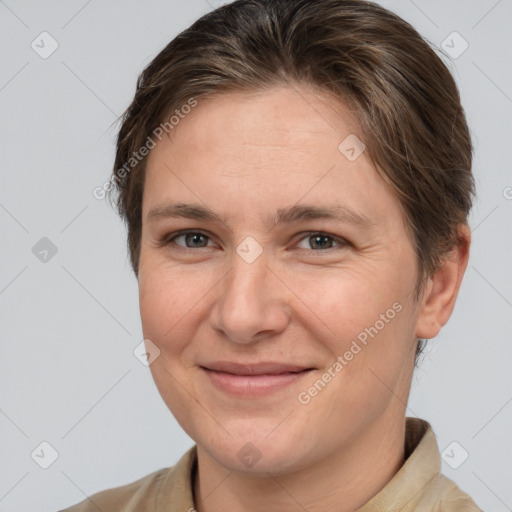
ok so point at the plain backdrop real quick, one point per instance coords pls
(69, 301)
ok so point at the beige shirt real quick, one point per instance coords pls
(418, 485)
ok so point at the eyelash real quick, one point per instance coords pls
(169, 239)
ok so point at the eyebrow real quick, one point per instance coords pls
(296, 213)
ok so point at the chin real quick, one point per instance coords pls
(257, 455)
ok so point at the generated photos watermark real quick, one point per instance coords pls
(305, 397)
(137, 156)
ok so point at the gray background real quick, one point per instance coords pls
(70, 324)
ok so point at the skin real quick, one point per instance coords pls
(244, 156)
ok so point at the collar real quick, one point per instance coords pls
(420, 471)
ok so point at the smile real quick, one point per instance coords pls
(254, 385)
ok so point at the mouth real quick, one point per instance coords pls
(253, 380)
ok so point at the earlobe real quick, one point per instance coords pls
(443, 287)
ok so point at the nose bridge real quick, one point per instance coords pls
(248, 303)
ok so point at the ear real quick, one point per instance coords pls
(442, 288)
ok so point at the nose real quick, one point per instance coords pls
(251, 302)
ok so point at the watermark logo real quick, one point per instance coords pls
(146, 352)
(249, 250)
(455, 455)
(351, 147)
(249, 455)
(44, 250)
(44, 455)
(454, 45)
(44, 45)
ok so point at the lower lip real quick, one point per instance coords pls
(253, 385)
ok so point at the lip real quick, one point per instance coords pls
(264, 368)
(254, 380)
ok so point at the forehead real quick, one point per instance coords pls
(277, 118)
(266, 150)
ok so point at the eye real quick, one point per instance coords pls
(322, 241)
(192, 239)
(314, 241)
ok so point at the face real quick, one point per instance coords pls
(284, 334)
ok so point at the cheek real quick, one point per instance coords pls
(163, 303)
(349, 300)
(173, 300)
(367, 316)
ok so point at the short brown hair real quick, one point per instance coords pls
(402, 94)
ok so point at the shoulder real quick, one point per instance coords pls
(419, 485)
(455, 499)
(125, 498)
(151, 492)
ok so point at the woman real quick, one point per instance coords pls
(296, 182)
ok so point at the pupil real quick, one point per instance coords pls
(194, 237)
(320, 244)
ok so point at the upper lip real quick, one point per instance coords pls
(272, 368)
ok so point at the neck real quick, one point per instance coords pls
(344, 481)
